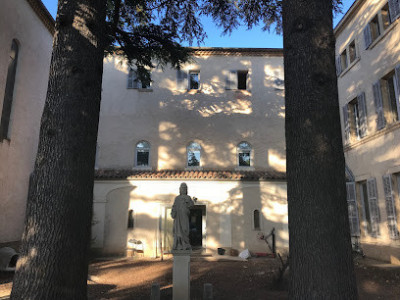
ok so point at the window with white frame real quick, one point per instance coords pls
(142, 154)
(237, 80)
(387, 97)
(244, 154)
(355, 119)
(135, 83)
(193, 155)
(381, 21)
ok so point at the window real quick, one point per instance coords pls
(390, 206)
(135, 83)
(256, 219)
(9, 92)
(352, 51)
(346, 58)
(381, 21)
(194, 80)
(352, 209)
(142, 154)
(193, 155)
(386, 98)
(131, 220)
(369, 201)
(343, 60)
(237, 80)
(355, 119)
(244, 154)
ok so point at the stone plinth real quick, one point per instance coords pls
(181, 275)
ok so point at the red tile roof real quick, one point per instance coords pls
(111, 174)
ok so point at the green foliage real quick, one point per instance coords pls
(148, 32)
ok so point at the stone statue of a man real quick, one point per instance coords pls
(180, 213)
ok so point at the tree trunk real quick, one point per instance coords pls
(321, 264)
(54, 253)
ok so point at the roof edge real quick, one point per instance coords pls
(43, 14)
(346, 18)
(203, 51)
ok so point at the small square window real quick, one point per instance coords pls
(194, 80)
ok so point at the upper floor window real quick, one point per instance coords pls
(237, 79)
(381, 21)
(9, 92)
(244, 154)
(135, 83)
(347, 57)
(387, 97)
(193, 155)
(142, 154)
(355, 118)
(194, 80)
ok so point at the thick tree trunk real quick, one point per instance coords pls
(54, 254)
(320, 250)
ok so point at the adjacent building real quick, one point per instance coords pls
(218, 125)
(368, 67)
(26, 44)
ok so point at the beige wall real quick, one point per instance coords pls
(169, 119)
(228, 220)
(378, 153)
(18, 21)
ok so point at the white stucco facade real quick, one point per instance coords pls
(372, 148)
(169, 117)
(20, 22)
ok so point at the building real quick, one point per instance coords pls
(218, 125)
(368, 67)
(26, 38)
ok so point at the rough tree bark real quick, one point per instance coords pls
(320, 250)
(55, 243)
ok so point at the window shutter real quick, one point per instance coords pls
(352, 209)
(381, 122)
(373, 206)
(394, 9)
(231, 80)
(390, 206)
(367, 36)
(338, 65)
(397, 79)
(362, 114)
(346, 124)
(182, 80)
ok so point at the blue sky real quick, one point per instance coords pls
(241, 37)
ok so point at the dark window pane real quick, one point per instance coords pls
(142, 158)
(131, 223)
(256, 219)
(244, 159)
(242, 80)
(194, 81)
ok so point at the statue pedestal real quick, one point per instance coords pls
(181, 275)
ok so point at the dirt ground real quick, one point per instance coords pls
(252, 279)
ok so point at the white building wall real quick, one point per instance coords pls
(378, 153)
(19, 21)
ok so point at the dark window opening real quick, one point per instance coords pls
(242, 80)
(9, 93)
(131, 223)
(256, 217)
(352, 51)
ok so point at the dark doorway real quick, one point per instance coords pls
(196, 226)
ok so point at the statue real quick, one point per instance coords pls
(180, 213)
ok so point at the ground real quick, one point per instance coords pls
(252, 279)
